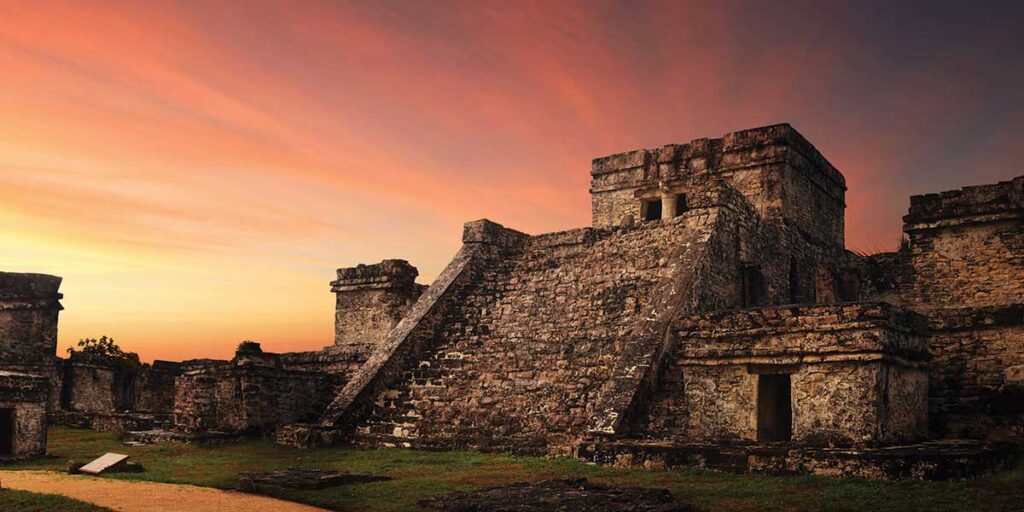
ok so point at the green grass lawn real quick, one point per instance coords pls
(417, 475)
(24, 501)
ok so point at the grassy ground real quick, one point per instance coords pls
(23, 501)
(418, 475)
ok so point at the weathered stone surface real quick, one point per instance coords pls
(252, 393)
(857, 375)
(371, 299)
(558, 495)
(29, 306)
(781, 174)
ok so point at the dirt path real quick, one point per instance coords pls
(144, 496)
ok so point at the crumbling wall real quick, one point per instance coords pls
(156, 387)
(29, 308)
(967, 247)
(857, 375)
(371, 299)
(252, 393)
(89, 387)
(966, 255)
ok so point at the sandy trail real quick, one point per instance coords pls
(144, 496)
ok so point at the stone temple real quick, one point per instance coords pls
(711, 316)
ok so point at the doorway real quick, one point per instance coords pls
(6, 431)
(774, 408)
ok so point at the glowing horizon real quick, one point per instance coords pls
(197, 173)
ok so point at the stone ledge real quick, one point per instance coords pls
(384, 275)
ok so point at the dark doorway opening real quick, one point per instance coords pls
(652, 209)
(681, 206)
(6, 431)
(752, 287)
(774, 408)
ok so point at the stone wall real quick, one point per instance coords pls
(29, 308)
(23, 401)
(967, 247)
(91, 387)
(774, 167)
(977, 376)
(371, 299)
(29, 305)
(252, 393)
(155, 387)
(857, 375)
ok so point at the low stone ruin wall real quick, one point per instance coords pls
(249, 394)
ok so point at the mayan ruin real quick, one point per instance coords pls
(711, 316)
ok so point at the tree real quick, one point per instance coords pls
(249, 347)
(105, 350)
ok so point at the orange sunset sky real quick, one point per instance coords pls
(197, 170)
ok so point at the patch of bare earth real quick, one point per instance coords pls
(128, 496)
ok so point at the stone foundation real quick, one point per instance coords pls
(937, 460)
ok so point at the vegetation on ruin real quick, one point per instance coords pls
(417, 475)
(24, 501)
(249, 347)
(106, 350)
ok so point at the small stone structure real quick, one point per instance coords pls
(710, 316)
(29, 306)
(371, 299)
(838, 375)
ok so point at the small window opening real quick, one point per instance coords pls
(652, 209)
(6, 431)
(794, 282)
(774, 408)
(681, 206)
(752, 287)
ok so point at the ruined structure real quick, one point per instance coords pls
(710, 316)
(29, 306)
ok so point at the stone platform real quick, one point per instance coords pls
(934, 460)
(169, 436)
